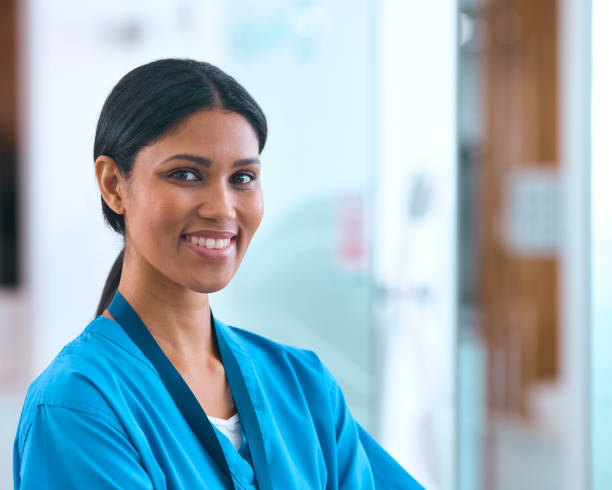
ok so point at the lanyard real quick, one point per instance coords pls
(184, 398)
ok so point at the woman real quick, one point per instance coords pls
(156, 392)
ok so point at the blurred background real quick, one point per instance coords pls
(438, 224)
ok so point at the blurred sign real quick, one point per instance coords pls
(352, 252)
(530, 225)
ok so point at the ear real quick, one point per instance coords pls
(109, 179)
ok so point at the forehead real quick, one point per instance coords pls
(214, 134)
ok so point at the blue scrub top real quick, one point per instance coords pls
(100, 417)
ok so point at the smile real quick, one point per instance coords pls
(211, 248)
(211, 243)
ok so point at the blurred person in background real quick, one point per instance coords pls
(157, 392)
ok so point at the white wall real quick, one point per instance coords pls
(415, 223)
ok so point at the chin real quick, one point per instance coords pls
(208, 286)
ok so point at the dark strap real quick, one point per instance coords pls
(245, 408)
(185, 400)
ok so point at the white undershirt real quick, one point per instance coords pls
(231, 428)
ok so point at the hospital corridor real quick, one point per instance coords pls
(437, 224)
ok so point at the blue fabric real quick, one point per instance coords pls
(100, 417)
(183, 397)
(187, 403)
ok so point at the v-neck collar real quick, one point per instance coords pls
(240, 461)
(240, 374)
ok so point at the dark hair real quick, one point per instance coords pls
(152, 100)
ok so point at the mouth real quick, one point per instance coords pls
(209, 243)
(210, 248)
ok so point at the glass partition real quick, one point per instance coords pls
(601, 248)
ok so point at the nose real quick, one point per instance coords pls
(217, 203)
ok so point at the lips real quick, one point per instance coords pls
(211, 234)
(209, 244)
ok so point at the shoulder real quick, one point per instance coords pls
(264, 350)
(84, 376)
(283, 365)
(96, 356)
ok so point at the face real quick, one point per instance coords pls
(193, 201)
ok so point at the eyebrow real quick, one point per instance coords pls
(205, 162)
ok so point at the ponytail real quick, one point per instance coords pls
(112, 283)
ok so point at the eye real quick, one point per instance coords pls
(184, 174)
(242, 178)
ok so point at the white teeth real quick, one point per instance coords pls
(210, 242)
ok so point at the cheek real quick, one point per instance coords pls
(157, 217)
(163, 220)
(257, 209)
(250, 214)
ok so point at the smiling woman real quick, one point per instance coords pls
(189, 191)
(156, 392)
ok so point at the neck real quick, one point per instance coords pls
(177, 317)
